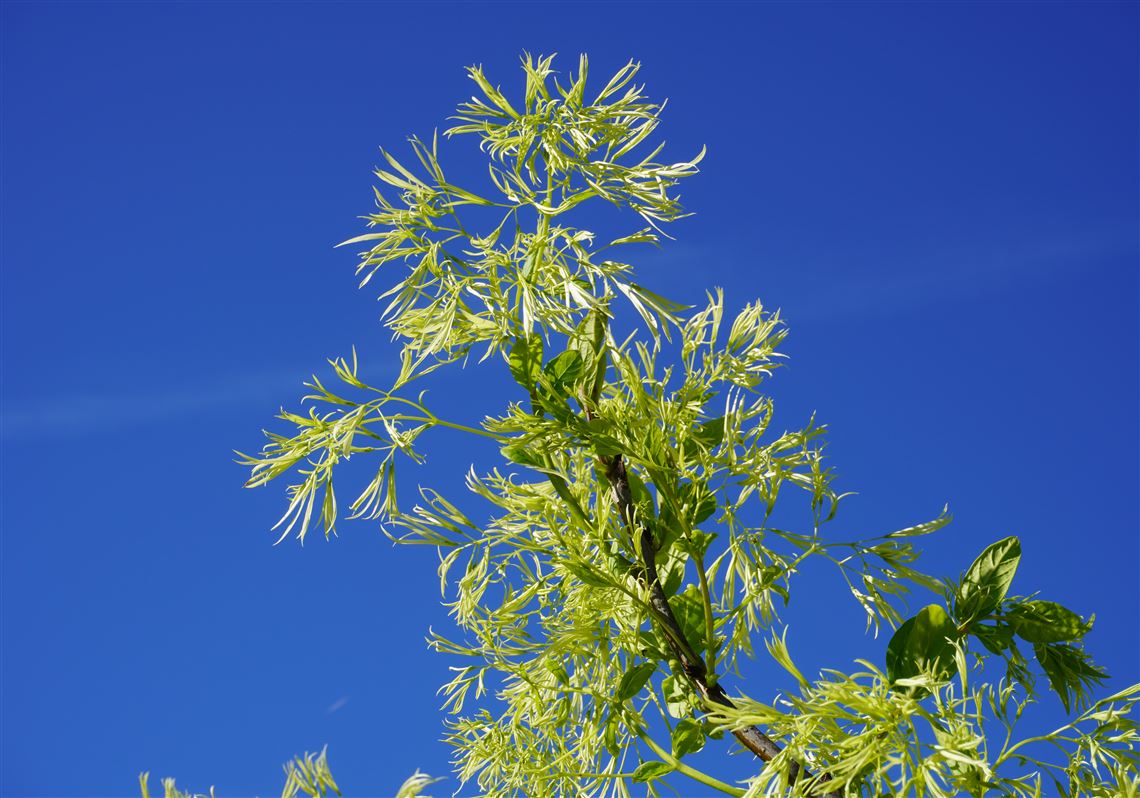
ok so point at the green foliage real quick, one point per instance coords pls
(626, 559)
(923, 645)
(169, 789)
(930, 643)
(307, 775)
(958, 740)
(987, 580)
(414, 786)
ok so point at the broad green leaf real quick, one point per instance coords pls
(668, 529)
(922, 644)
(690, 612)
(987, 580)
(640, 492)
(564, 370)
(1046, 622)
(678, 701)
(605, 444)
(671, 574)
(706, 435)
(688, 737)
(996, 638)
(650, 645)
(633, 680)
(651, 771)
(697, 543)
(609, 736)
(699, 501)
(521, 454)
(589, 340)
(525, 360)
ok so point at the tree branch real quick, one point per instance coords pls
(692, 665)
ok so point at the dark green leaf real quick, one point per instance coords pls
(649, 771)
(1071, 672)
(922, 644)
(650, 645)
(587, 575)
(688, 738)
(564, 370)
(668, 530)
(987, 580)
(525, 360)
(521, 454)
(555, 404)
(672, 574)
(705, 436)
(697, 543)
(677, 699)
(634, 679)
(558, 670)
(996, 638)
(598, 430)
(698, 501)
(589, 340)
(690, 612)
(1046, 622)
(640, 493)
(609, 736)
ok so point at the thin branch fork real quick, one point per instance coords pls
(692, 665)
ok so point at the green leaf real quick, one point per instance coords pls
(564, 370)
(589, 340)
(525, 360)
(688, 737)
(925, 528)
(697, 543)
(558, 670)
(668, 529)
(922, 644)
(698, 501)
(521, 454)
(587, 575)
(706, 435)
(996, 638)
(650, 645)
(1046, 622)
(672, 574)
(633, 680)
(987, 580)
(678, 701)
(640, 493)
(690, 611)
(609, 736)
(650, 771)
(1071, 672)
(597, 431)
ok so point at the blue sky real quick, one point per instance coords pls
(942, 198)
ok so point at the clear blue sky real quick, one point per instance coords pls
(941, 198)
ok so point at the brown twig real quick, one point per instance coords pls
(691, 663)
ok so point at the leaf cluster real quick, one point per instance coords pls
(624, 555)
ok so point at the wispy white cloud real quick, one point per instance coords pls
(839, 291)
(336, 705)
(954, 274)
(81, 413)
